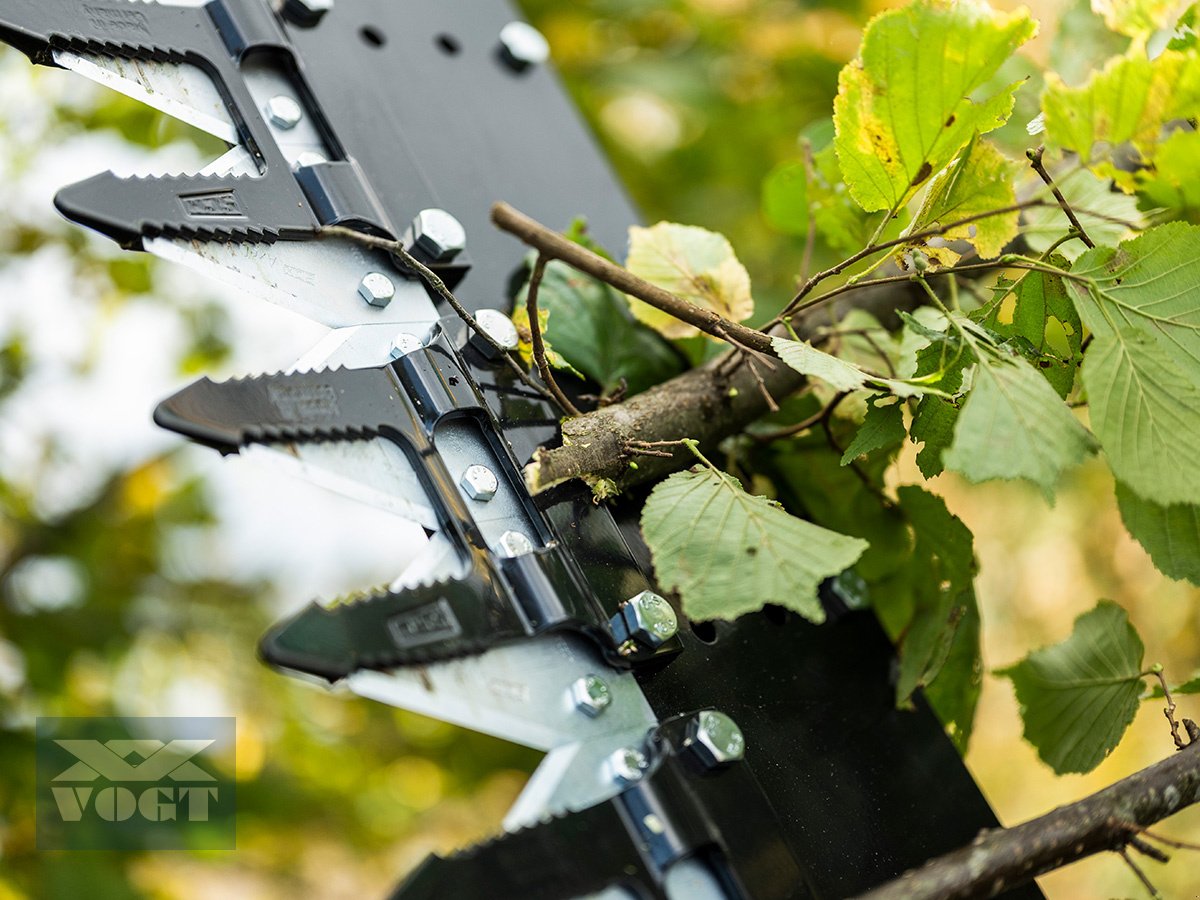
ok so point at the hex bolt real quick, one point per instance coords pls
(522, 46)
(377, 289)
(499, 327)
(480, 483)
(591, 695)
(715, 739)
(404, 344)
(306, 12)
(646, 621)
(627, 765)
(514, 543)
(435, 235)
(284, 112)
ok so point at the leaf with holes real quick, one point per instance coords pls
(728, 553)
(882, 428)
(903, 110)
(693, 263)
(1078, 697)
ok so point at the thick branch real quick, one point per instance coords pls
(553, 245)
(1003, 858)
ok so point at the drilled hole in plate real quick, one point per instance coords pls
(373, 36)
(776, 615)
(448, 44)
(705, 631)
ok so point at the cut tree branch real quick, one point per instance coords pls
(1004, 858)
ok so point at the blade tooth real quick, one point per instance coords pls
(200, 207)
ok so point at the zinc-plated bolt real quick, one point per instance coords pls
(306, 12)
(522, 46)
(627, 765)
(499, 327)
(513, 543)
(436, 235)
(377, 289)
(284, 112)
(591, 695)
(715, 739)
(646, 619)
(404, 344)
(480, 483)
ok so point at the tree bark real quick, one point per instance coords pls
(1004, 858)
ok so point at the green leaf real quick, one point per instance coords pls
(1013, 425)
(842, 375)
(590, 326)
(728, 553)
(883, 427)
(1173, 182)
(1136, 17)
(980, 180)
(785, 198)
(1078, 697)
(1142, 371)
(520, 319)
(954, 693)
(933, 425)
(894, 130)
(1101, 211)
(692, 263)
(1170, 534)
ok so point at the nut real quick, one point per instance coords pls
(377, 289)
(306, 12)
(403, 344)
(627, 765)
(647, 619)
(513, 543)
(715, 739)
(522, 46)
(480, 483)
(591, 695)
(437, 235)
(284, 112)
(499, 328)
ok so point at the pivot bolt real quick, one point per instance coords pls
(284, 112)
(480, 483)
(404, 344)
(306, 12)
(715, 739)
(377, 289)
(499, 327)
(591, 695)
(513, 543)
(436, 235)
(645, 621)
(627, 765)
(522, 46)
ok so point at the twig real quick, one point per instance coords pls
(1169, 712)
(1035, 159)
(818, 418)
(1148, 850)
(439, 287)
(1003, 858)
(539, 345)
(1170, 842)
(554, 246)
(1137, 870)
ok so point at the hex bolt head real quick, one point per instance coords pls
(377, 289)
(627, 765)
(647, 620)
(523, 46)
(436, 235)
(306, 12)
(715, 739)
(513, 543)
(499, 327)
(404, 344)
(591, 695)
(284, 112)
(480, 483)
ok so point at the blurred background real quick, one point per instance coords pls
(136, 574)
